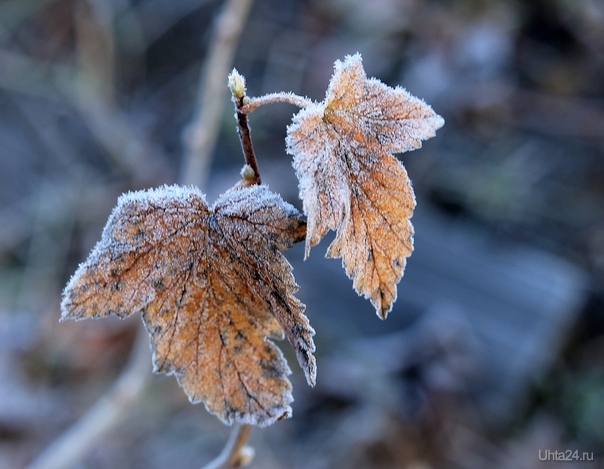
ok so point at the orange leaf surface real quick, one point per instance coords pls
(351, 183)
(213, 290)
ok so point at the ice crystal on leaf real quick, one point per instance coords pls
(213, 290)
(351, 183)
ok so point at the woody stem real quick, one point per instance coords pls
(235, 453)
(245, 138)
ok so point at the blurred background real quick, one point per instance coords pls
(494, 352)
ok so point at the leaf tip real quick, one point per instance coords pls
(440, 121)
(383, 312)
(350, 60)
(384, 303)
(310, 370)
(433, 122)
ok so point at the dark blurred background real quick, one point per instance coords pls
(494, 352)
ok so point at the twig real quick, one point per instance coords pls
(245, 138)
(235, 453)
(95, 51)
(200, 137)
(105, 415)
(250, 172)
(283, 97)
(244, 105)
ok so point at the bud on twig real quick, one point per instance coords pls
(237, 84)
(248, 173)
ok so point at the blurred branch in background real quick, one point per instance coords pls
(200, 137)
(109, 411)
(95, 52)
(89, 86)
(96, 94)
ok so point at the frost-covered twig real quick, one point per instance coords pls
(104, 416)
(283, 97)
(245, 137)
(201, 135)
(250, 172)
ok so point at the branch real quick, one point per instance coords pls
(235, 453)
(250, 172)
(95, 51)
(95, 95)
(104, 416)
(245, 138)
(244, 105)
(282, 97)
(200, 137)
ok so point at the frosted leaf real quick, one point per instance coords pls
(213, 290)
(351, 183)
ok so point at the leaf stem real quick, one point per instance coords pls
(235, 453)
(245, 138)
(282, 97)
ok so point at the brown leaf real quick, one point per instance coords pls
(212, 288)
(350, 182)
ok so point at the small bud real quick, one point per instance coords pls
(237, 84)
(244, 457)
(248, 173)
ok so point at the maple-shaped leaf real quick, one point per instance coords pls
(213, 290)
(351, 183)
